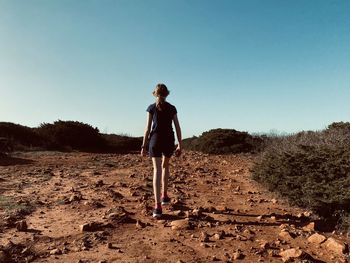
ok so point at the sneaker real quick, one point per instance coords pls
(157, 212)
(165, 200)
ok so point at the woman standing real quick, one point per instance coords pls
(161, 141)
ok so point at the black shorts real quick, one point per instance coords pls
(161, 145)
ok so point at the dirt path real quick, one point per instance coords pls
(217, 213)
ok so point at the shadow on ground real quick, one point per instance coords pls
(6, 160)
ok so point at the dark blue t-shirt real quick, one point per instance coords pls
(162, 120)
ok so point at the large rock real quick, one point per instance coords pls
(316, 238)
(336, 246)
(181, 224)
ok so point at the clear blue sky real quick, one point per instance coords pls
(248, 65)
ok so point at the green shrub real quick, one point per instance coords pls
(311, 169)
(223, 141)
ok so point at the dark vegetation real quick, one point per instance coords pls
(311, 169)
(224, 141)
(64, 136)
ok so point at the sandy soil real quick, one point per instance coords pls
(218, 213)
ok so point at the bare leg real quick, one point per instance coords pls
(165, 174)
(157, 172)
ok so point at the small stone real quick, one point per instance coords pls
(221, 208)
(205, 245)
(274, 201)
(109, 245)
(204, 237)
(92, 226)
(214, 258)
(56, 251)
(264, 244)
(285, 235)
(140, 224)
(238, 255)
(292, 253)
(309, 227)
(22, 225)
(316, 238)
(336, 246)
(178, 213)
(219, 235)
(75, 197)
(181, 224)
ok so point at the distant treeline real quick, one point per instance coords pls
(64, 136)
(74, 135)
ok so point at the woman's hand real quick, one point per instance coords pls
(144, 153)
(178, 151)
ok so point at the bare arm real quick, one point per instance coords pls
(178, 130)
(147, 129)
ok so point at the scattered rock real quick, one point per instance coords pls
(99, 183)
(197, 212)
(205, 245)
(204, 237)
(285, 235)
(179, 213)
(181, 224)
(292, 253)
(109, 245)
(336, 246)
(221, 208)
(264, 244)
(140, 224)
(75, 197)
(56, 251)
(316, 238)
(22, 225)
(219, 235)
(309, 227)
(93, 226)
(238, 255)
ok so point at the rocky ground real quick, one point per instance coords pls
(80, 207)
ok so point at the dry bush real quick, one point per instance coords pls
(311, 169)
